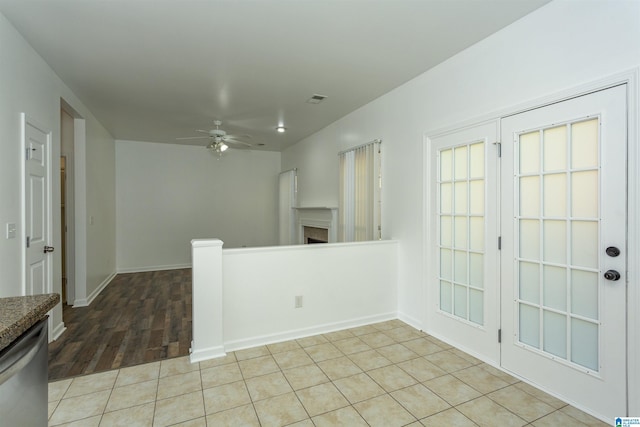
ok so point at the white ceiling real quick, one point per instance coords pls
(154, 70)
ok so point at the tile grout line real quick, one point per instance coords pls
(244, 380)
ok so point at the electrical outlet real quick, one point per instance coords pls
(298, 301)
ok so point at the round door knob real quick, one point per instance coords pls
(48, 249)
(612, 275)
(612, 251)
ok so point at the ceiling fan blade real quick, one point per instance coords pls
(238, 136)
(192, 137)
(203, 131)
(233, 141)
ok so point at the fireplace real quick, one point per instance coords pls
(317, 223)
(313, 235)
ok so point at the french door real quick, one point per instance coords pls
(563, 267)
(463, 251)
(527, 248)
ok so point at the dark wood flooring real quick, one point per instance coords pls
(137, 318)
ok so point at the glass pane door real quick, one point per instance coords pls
(461, 223)
(557, 177)
(462, 245)
(563, 206)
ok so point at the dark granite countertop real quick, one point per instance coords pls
(17, 314)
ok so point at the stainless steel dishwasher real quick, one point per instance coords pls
(23, 379)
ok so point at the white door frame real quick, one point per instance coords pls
(78, 288)
(631, 78)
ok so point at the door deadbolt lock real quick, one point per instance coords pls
(48, 249)
(612, 251)
(612, 275)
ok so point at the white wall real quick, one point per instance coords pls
(316, 158)
(30, 86)
(254, 292)
(342, 285)
(169, 194)
(561, 45)
(100, 213)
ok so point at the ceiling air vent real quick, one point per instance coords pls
(316, 99)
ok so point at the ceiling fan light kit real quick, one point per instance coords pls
(218, 146)
(220, 140)
(281, 129)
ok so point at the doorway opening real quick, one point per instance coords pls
(63, 228)
(67, 203)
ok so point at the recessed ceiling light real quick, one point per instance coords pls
(281, 129)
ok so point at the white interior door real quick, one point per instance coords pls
(462, 250)
(37, 209)
(564, 204)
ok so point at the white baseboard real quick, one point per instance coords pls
(57, 331)
(206, 354)
(411, 321)
(153, 268)
(84, 302)
(305, 332)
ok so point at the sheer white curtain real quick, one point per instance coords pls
(360, 184)
(286, 203)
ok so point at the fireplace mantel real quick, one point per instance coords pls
(311, 208)
(319, 217)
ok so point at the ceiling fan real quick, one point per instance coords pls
(219, 139)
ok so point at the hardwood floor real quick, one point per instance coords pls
(138, 318)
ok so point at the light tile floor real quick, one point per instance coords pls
(386, 374)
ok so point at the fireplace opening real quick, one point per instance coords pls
(311, 240)
(314, 235)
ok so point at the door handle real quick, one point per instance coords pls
(612, 251)
(612, 275)
(48, 249)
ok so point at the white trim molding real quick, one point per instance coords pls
(306, 332)
(84, 302)
(207, 296)
(57, 331)
(206, 353)
(633, 243)
(153, 268)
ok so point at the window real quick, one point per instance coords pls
(287, 187)
(360, 186)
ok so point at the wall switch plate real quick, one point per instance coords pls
(11, 230)
(299, 301)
